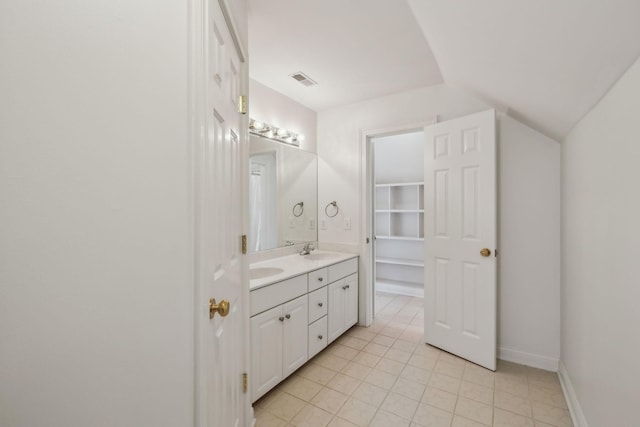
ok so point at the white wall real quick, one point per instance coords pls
(269, 106)
(96, 294)
(528, 169)
(601, 273)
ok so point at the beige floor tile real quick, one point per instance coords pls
(390, 366)
(408, 388)
(403, 345)
(329, 400)
(558, 417)
(263, 402)
(515, 387)
(445, 382)
(343, 383)
(416, 374)
(356, 370)
(413, 334)
(541, 424)
(483, 378)
(381, 379)
(476, 392)
(397, 355)
(357, 412)
(550, 396)
(450, 358)
(427, 350)
(265, 419)
(352, 342)
(311, 416)
(367, 359)
(300, 387)
(343, 351)
(430, 416)
(474, 410)
(316, 373)
(440, 399)
(509, 419)
(386, 419)
(330, 361)
(375, 349)
(424, 361)
(370, 394)
(399, 405)
(449, 369)
(543, 378)
(512, 403)
(285, 406)
(459, 421)
(383, 340)
(340, 422)
(361, 333)
(391, 331)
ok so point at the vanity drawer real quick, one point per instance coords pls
(343, 269)
(317, 279)
(317, 336)
(264, 298)
(317, 304)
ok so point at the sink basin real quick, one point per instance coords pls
(262, 272)
(321, 256)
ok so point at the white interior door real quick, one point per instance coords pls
(220, 187)
(460, 226)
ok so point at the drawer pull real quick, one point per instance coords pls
(281, 319)
(320, 304)
(345, 287)
(319, 337)
(320, 279)
(288, 316)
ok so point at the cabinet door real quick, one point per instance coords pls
(266, 351)
(336, 309)
(351, 301)
(295, 334)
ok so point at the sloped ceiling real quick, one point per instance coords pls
(354, 49)
(544, 62)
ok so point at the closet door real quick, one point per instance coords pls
(460, 237)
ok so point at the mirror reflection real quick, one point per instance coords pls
(282, 194)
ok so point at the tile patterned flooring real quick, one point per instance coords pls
(384, 376)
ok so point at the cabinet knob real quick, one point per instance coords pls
(320, 279)
(344, 287)
(319, 337)
(281, 319)
(288, 316)
(347, 286)
(320, 304)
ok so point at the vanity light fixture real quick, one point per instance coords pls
(275, 133)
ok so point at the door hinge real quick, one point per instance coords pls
(242, 104)
(244, 244)
(245, 382)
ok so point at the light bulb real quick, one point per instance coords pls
(300, 137)
(258, 125)
(283, 133)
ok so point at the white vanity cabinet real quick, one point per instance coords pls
(294, 319)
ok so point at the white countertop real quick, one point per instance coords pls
(294, 265)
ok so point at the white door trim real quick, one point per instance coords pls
(197, 116)
(365, 303)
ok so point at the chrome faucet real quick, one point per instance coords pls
(306, 250)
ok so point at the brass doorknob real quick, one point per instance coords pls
(485, 252)
(222, 309)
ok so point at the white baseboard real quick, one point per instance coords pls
(398, 288)
(577, 416)
(528, 359)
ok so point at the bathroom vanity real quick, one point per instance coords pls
(299, 305)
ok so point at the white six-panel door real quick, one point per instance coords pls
(460, 221)
(219, 227)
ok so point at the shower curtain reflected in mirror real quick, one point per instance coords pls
(263, 197)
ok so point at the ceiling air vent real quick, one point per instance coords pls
(303, 78)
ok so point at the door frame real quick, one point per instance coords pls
(196, 115)
(367, 187)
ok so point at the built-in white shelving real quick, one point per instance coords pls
(399, 220)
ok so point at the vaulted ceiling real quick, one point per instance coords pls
(544, 62)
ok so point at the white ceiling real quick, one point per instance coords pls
(544, 62)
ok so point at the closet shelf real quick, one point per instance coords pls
(400, 261)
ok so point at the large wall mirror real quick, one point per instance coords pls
(283, 194)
